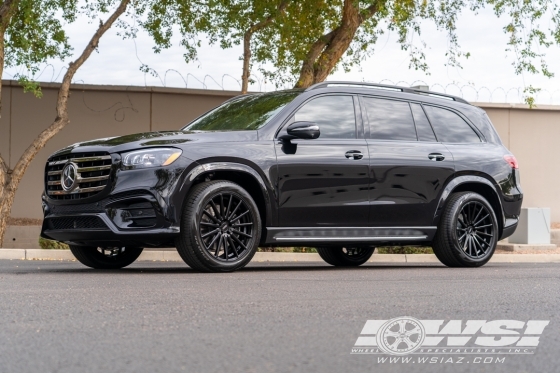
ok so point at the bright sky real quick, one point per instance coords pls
(486, 76)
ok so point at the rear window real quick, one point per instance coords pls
(450, 127)
(249, 112)
(389, 119)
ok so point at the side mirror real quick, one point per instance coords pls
(302, 130)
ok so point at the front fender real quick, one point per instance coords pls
(210, 167)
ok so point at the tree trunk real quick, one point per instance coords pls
(246, 61)
(6, 196)
(12, 178)
(325, 53)
(247, 44)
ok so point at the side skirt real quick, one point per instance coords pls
(289, 236)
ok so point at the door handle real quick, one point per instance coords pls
(436, 156)
(354, 154)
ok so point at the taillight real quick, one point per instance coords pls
(511, 160)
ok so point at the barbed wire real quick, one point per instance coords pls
(259, 83)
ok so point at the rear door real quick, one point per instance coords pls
(323, 182)
(462, 140)
(409, 167)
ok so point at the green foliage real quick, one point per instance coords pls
(529, 95)
(162, 19)
(404, 250)
(287, 250)
(35, 34)
(52, 245)
(281, 48)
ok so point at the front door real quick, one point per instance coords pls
(324, 182)
(409, 167)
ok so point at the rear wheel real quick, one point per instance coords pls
(345, 256)
(468, 231)
(220, 228)
(106, 257)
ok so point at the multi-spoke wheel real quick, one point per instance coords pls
(106, 257)
(220, 229)
(468, 231)
(345, 256)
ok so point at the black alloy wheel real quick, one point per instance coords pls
(345, 256)
(475, 229)
(220, 228)
(468, 231)
(226, 226)
(106, 257)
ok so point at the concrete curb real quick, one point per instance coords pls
(173, 256)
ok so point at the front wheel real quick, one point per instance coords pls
(106, 257)
(468, 231)
(220, 227)
(345, 256)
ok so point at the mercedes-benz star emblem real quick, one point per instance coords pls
(69, 177)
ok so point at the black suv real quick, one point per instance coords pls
(343, 167)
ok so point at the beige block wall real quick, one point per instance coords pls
(103, 111)
(5, 118)
(532, 136)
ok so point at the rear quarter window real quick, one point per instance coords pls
(450, 127)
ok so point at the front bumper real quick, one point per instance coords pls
(111, 222)
(140, 208)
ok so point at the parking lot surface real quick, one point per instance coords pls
(163, 317)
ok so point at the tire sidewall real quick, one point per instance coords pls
(193, 226)
(458, 251)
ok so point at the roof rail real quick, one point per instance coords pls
(389, 87)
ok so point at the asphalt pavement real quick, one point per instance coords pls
(162, 317)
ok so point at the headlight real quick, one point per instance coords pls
(156, 157)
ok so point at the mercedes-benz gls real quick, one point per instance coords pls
(343, 167)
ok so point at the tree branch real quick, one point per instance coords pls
(247, 43)
(325, 53)
(369, 12)
(63, 93)
(6, 8)
(3, 167)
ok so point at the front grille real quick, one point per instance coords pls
(93, 170)
(76, 222)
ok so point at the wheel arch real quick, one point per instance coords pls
(244, 175)
(476, 184)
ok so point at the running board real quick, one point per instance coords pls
(349, 234)
(372, 239)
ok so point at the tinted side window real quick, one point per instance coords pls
(389, 119)
(423, 128)
(334, 115)
(450, 127)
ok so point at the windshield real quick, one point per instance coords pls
(246, 113)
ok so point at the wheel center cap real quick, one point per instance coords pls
(225, 226)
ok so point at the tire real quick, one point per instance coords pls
(468, 232)
(345, 257)
(220, 227)
(106, 258)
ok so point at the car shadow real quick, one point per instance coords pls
(139, 269)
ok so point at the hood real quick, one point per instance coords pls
(155, 139)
